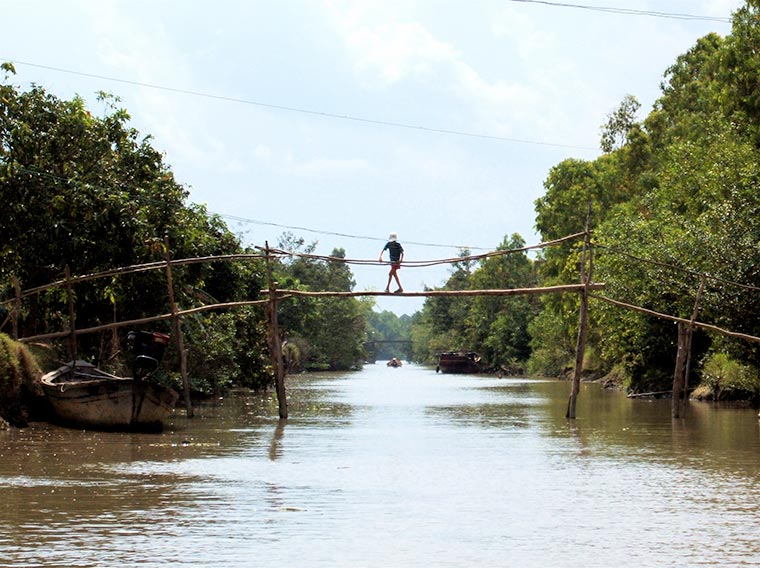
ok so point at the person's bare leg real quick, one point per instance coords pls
(395, 275)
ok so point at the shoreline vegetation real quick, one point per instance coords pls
(21, 396)
(22, 400)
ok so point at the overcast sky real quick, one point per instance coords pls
(341, 121)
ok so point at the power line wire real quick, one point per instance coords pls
(630, 11)
(237, 218)
(303, 110)
(336, 234)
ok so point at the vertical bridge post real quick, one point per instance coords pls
(275, 347)
(580, 347)
(177, 325)
(678, 375)
(16, 307)
(72, 317)
(683, 357)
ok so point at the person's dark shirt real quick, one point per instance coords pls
(395, 249)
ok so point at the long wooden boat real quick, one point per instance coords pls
(83, 395)
(458, 362)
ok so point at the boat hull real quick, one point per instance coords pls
(463, 363)
(91, 398)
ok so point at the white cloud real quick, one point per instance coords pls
(263, 152)
(383, 46)
(516, 99)
(519, 28)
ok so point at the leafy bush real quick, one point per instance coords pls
(727, 379)
(20, 390)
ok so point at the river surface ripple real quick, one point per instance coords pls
(392, 468)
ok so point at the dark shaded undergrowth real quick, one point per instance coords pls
(21, 396)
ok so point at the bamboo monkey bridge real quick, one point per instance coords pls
(273, 295)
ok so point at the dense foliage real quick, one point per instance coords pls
(20, 391)
(675, 196)
(322, 333)
(389, 335)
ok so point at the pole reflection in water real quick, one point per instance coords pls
(275, 448)
(392, 467)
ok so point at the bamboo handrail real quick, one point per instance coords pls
(136, 322)
(144, 267)
(284, 294)
(135, 268)
(421, 263)
(686, 321)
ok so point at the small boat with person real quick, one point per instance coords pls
(83, 395)
(395, 362)
(458, 362)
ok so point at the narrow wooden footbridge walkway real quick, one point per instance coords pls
(271, 296)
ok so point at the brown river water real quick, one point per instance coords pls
(392, 468)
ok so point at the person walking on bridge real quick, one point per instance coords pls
(396, 252)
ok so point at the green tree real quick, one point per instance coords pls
(442, 325)
(499, 325)
(330, 332)
(91, 193)
(619, 124)
(386, 326)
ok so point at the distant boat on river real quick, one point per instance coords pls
(395, 362)
(83, 395)
(458, 362)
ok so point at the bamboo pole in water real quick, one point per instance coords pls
(678, 375)
(16, 307)
(580, 347)
(177, 324)
(689, 335)
(72, 315)
(275, 347)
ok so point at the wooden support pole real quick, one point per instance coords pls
(16, 307)
(580, 346)
(580, 350)
(678, 375)
(177, 325)
(689, 335)
(275, 347)
(72, 325)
